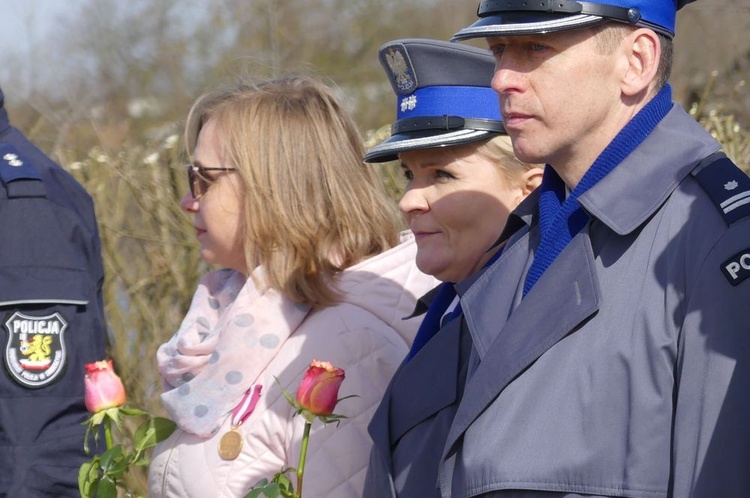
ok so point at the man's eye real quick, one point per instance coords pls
(444, 174)
(408, 175)
(497, 49)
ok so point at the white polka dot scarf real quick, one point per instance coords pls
(229, 335)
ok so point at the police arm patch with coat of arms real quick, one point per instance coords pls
(35, 350)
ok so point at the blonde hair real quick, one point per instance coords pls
(499, 150)
(312, 208)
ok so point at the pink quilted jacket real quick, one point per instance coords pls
(367, 337)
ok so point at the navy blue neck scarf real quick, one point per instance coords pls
(560, 219)
(433, 320)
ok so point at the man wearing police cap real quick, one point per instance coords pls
(51, 317)
(611, 339)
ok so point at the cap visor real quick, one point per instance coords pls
(525, 23)
(389, 149)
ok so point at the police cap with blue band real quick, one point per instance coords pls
(525, 17)
(443, 96)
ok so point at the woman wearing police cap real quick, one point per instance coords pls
(462, 182)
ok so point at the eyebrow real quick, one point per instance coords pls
(431, 164)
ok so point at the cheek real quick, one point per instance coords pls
(225, 221)
(234, 231)
(486, 218)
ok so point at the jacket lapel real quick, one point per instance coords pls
(427, 383)
(379, 428)
(495, 301)
(565, 295)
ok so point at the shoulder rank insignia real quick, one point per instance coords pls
(13, 166)
(726, 185)
(35, 350)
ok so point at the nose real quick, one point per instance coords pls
(506, 78)
(413, 201)
(188, 203)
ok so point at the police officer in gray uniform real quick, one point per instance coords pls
(51, 317)
(445, 110)
(611, 339)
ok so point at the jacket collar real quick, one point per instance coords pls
(423, 303)
(525, 214)
(650, 173)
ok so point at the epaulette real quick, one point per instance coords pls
(727, 186)
(20, 177)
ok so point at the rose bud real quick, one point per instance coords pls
(104, 388)
(318, 392)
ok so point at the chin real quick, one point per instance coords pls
(429, 268)
(527, 154)
(209, 258)
(529, 157)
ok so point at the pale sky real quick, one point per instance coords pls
(25, 27)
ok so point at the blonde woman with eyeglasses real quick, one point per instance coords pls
(314, 268)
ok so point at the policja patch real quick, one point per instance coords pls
(737, 268)
(35, 351)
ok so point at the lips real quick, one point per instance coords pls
(514, 118)
(420, 234)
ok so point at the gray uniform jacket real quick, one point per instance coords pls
(411, 424)
(625, 371)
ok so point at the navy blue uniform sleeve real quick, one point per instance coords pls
(51, 319)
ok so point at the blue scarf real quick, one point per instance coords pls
(433, 320)
(560, 219)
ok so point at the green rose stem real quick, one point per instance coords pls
(108, 432)
(302, 455)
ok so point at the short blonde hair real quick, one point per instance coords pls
(499, 150)
(311, 206)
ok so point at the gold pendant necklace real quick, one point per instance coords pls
(230, 444)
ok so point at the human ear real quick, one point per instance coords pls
(529, 180)
(642, 54)
(532, 178)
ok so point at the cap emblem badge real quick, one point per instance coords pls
(401, 72)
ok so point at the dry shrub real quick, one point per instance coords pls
(722, 125)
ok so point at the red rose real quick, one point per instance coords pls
(319, 390)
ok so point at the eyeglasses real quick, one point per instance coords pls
(198, 181)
